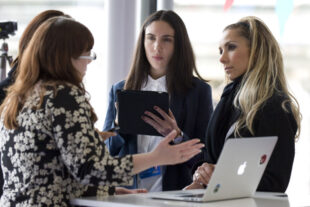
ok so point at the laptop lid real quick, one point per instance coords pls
(237, 173)
(240, 168)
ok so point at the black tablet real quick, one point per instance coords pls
(131, 106)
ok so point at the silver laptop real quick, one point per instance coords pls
(237, 173)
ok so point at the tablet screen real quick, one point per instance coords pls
(131, 106)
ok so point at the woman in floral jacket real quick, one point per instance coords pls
(50, 150)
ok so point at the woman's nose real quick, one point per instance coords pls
(223, 58)
(157, 45)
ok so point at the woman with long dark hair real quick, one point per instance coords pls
(164, 61)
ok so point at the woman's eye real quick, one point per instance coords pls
(150, 37)
(167, 40)
(221, 51)
(231, 47)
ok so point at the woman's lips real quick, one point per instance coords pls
(158, 58)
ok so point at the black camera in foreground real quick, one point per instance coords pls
(7, 28)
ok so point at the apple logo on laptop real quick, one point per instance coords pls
(263, 159)
(241, 168)
(216, 188)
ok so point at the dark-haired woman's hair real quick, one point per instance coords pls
(48, 59)
(182, 65)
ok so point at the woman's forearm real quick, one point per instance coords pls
(166, 154)
(142, 162)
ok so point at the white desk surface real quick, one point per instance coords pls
(144, 200)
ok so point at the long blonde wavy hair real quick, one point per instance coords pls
(264, 75)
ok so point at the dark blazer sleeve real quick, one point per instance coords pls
(194, 110)
(204, 112)
(274, 121)
(193, 117)
(121, 144)
(111, 111)
(114, 143)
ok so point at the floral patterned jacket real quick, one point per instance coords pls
(55, 154)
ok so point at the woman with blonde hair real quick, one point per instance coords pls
(256, 102)
(50, 149)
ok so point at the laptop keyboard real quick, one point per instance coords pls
(193, 195)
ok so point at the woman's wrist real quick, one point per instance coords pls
(200, 184)
(151, 157)
(193, 185)
(144, 161)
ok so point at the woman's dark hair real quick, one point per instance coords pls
(33, 26)
(182, 65)
(48, 58)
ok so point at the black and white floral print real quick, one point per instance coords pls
(55, 154)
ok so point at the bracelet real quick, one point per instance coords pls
(179, 138)
(203, 185)
(180, 134)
